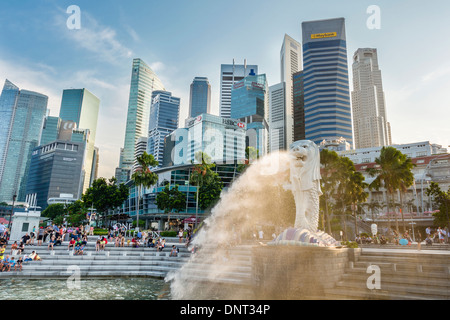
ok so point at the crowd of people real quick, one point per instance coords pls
(432, 236)
(77, 237)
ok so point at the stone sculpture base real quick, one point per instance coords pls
(296, 272)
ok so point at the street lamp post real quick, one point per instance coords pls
(11, 214)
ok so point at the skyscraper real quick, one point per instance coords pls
(81, 107)
(143, 82)
(22, 117)
(50, 131)
(299, 106)
(250, 104)
(200, 98)
(371, 127)
(277, 110)
(229, 75)
(291, 62)
(56, 171)
(325, 80)
(164, 113)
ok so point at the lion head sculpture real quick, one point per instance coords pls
(306, 163)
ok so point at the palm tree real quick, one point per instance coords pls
(144, 177)
(393, 173)
(373, 205)
(351, 187)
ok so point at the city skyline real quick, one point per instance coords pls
(99, 55)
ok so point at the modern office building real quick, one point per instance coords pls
(200, 97)
(250, 104)
(143, 82)
(222, 139)
(50, 130)
(371, 128)
(81, 107)
(56, 171)
(164, 113)
(21, 120)
(229, 75)
(141, 147)
(277, 116)
(299, 106)
(291, 62)
(325, 80)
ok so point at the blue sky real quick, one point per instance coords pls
(183, 39)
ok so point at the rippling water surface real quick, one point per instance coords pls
(110, 289)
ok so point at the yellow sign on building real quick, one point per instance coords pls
(324, 35)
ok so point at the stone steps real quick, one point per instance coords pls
(110, 262)
(404, 275)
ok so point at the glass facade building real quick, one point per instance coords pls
(21, 128)
(325, 80)
(250, 104)
(200, 97)
(143, 82)
(299, 106)
(164, 113)
(81, 107)
(229, 75)
(220, 138)
(8, 98)
(50, 131)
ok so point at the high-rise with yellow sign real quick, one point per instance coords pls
(325, 80)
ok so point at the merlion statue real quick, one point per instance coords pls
(305, 183)
(305, 186)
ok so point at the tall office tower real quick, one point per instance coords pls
(22, 115)
(299, 106)
(81, 107)
(249, 102)
(143, 82)
(277, 110)
(50, 131)
(325, 79)
(141, 146)
(291, 62)
(56, 171)
(200, 98)
(164, 113)
(229, 75)
(371, 127)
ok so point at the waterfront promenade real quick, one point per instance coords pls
(406, 272)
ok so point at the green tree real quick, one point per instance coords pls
(105, 195)
(54, 211)
(442, 198)
(373, 206)
(144, 177)
(350, 189)
(329, 161)
(171, 200)
(76, 213)
(393, 173)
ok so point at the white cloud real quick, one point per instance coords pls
(95, 38)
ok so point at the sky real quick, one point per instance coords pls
(182, 39)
